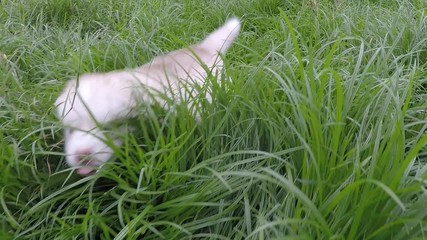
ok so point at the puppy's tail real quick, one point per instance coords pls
(222, 38)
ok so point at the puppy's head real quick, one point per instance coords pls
(86, 149)
(82, 107)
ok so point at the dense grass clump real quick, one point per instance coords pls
(316, 131)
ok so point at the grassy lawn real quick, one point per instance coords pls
(317, 130)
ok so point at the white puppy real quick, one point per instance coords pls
(100, 98)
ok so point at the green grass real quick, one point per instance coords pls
(316, 132)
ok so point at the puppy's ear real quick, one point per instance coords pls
(65, 100)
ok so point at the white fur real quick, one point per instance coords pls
(99, 98)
